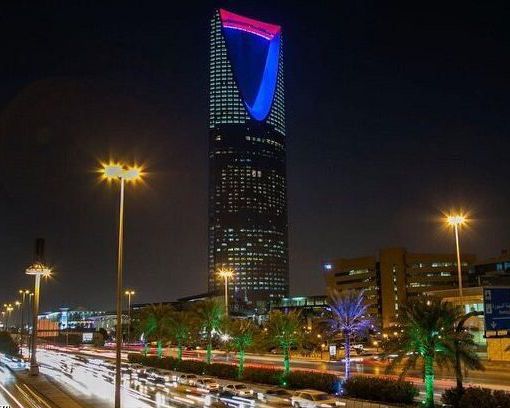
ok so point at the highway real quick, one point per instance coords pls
(16, 394)
(86, 375)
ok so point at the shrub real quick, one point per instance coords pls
(380, 389)
(261, 375)
(452, 397)
(318, 381)
(476, 397)
(226, 371)
(7, 344)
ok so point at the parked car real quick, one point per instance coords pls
(187, 379)
(313, 399)
(240, 390)
(277, 396)
(207, 384)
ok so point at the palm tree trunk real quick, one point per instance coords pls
(209, 349)
(179, 350)
(286, 360)
(160, 349)
(429, 382)
(347, 371)
(240, 367)
(458, 368)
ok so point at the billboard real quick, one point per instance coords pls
(496, 308)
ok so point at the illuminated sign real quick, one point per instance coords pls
(253, 49)
(496, 306)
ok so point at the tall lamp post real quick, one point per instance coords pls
(37, 269)
(456, 221)
(8, 309)
(18, 318)
(226, 274)
(23, 293)
(129, 293)
(122, 173)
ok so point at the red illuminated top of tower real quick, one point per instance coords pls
(235, 21)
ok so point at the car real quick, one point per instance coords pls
(240, 390)
(207, 384)
(277, 396)
(314, 399)
(187, 379)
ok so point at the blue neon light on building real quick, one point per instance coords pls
(254, 59)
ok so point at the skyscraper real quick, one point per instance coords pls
(247, 174)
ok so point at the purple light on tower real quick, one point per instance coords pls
(254, 49)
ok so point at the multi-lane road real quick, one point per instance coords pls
(16, 394)
(88, 382)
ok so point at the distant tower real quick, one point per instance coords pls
(247, 159)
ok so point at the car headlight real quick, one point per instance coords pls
(325, 405)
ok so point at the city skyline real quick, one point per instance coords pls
(393, 113)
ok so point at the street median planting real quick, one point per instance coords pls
(380, 389)
(261, 375)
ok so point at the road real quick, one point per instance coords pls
(16, 394)
(92, 384)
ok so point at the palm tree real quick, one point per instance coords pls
(209, 314)
(428, 334)
(350, 318)
(154, 324)
(241, 333)
(180, 325)
(465, 352)
(283, 330)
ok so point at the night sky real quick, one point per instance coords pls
(395, 111)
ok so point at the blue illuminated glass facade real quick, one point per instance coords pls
(247, 158)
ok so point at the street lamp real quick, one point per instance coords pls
(17, 303)
(129, 293)
(23, 293)
(37, 269)
(8, 309)
(456, 221)
(226, 274)
(122, 173)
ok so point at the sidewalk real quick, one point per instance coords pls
(51, 391)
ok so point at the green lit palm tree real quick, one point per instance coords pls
(180, 326)
(428, 335)
(283, 330)
(209, 314)
(154, 323)
(241, 333)
(350, 318)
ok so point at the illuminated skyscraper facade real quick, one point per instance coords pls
(247, 176)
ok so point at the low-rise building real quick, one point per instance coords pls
(395, 277)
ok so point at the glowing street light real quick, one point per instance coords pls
(37, 269)
(23, 293)
(122, 173)
(456, 221)
(129, 293)
(226, 274)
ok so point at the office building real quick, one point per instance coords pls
(492, 271)
(395, 277)
(247, 159)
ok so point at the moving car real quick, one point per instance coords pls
(277, 396)
(187, 379)
(240, 390)
(207, 384)
(314, 399)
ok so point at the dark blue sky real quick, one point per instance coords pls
(395, 111)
